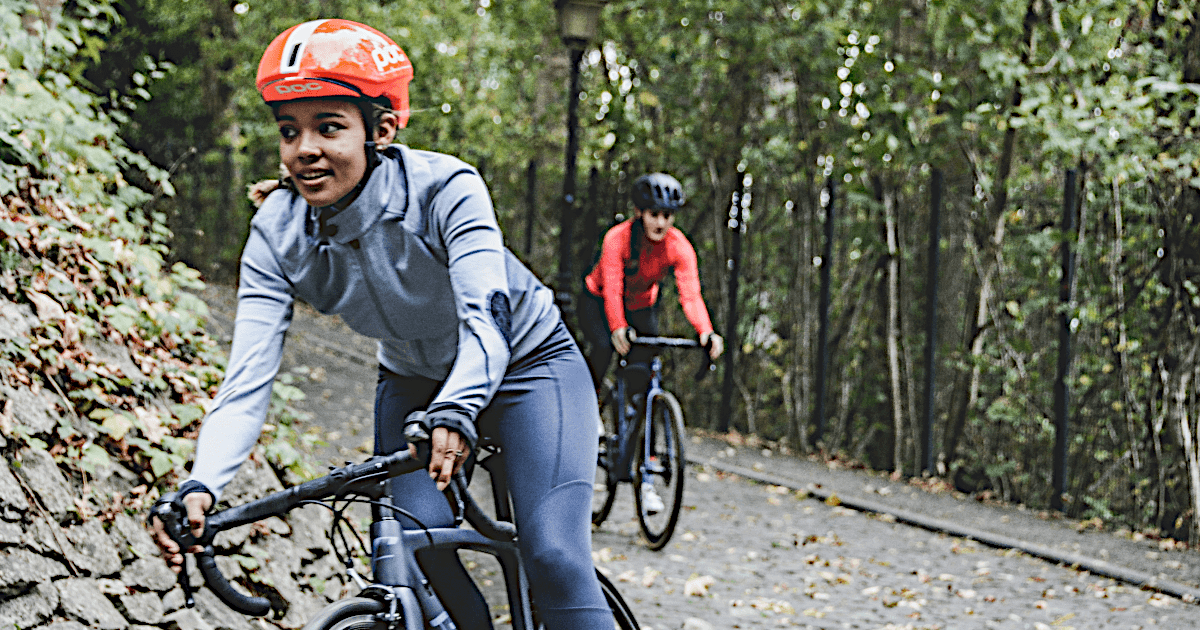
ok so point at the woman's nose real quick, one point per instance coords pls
(309, 147)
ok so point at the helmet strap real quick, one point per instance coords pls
(372, 161)
(372, 158)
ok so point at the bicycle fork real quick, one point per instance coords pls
(651, 467)
(393, 579)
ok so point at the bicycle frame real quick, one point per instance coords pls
(390, 541)
(397, 579)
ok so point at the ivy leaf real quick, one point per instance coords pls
(160, 463)
(94, 458)
(117, 426)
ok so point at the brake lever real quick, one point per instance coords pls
(172, 513)
(707, 364)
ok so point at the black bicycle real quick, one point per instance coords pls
(396, 595)
(641, 442)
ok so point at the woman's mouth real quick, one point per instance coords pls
(313, 178)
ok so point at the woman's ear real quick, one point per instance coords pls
(385, 132)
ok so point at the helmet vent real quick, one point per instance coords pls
(296, 43)
(295, 53)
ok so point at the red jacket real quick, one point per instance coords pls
(640, 290)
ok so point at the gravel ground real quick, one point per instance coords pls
(762, 550)
(753, 555)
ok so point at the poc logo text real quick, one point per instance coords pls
(311, 86)
(385, 56)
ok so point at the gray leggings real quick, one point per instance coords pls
(545, 416)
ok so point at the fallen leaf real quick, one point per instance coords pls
(649, 575)
(697, 585)
(151, 424)
(47, 308)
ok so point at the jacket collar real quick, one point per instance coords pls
(355, 219)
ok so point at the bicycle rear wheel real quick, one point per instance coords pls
(623, 618)
(663, 471)
(622, 615)
(604, 487)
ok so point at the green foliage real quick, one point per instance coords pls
(1000, 97)
(81, 250)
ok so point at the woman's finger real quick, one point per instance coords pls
(447, 469)
(437, 450)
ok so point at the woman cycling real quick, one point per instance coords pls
(621, 292)
(404, 246)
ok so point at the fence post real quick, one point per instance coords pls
(737, 225)
(931, 302)
(1062, 391)
(828, 198)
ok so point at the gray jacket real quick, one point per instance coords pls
(416, 261)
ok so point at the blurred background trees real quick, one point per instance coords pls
(998, 98)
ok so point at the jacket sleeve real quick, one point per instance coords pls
(613, 254)
(461, 213)
(687, 280)
(233, 424)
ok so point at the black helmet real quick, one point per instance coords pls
(657, 191)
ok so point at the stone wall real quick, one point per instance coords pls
(69, 561)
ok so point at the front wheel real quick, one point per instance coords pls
(661, 474)
(354, 613)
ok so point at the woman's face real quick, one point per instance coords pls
(321, 145)
(656, 223)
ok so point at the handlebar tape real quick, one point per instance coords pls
(706, 364)
(484, 524)
(245, 604)
(279, 503)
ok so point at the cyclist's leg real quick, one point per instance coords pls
(645, 321)
(545, 415)
(594, 325)
(395, 397)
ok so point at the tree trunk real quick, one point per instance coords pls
(1129, 400)
(1184, 423)
(893, 324)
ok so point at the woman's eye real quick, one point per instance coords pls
(287, 132)
(329, 128)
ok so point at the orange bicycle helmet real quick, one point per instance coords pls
(332, 58)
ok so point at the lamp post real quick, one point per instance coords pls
(578, 21)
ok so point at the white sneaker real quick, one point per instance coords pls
(651, 502)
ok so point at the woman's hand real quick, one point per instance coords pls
(198, 504)
(448, 451)
(717, 347)
(620, 339)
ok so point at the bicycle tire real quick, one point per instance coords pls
(353, 613)
(668, 435)
(604, 487)
(622, 614)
